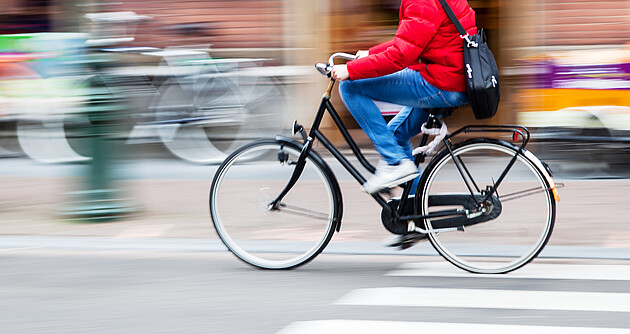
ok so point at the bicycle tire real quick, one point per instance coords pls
(513, 232)
(253, 176)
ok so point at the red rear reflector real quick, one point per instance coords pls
(516, 136)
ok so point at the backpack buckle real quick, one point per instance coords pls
(470, 42)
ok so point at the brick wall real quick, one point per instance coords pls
(224, 24)
(583, 22)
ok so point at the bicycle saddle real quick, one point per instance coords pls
(443, 112)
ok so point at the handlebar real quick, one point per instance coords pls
(325, 69)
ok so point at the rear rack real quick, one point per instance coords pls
(519, 132)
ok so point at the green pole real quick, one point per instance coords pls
(100, 200)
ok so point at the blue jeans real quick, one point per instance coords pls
(407, 88)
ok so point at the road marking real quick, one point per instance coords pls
(494, 299)
(17, 249)
(532, 270)
(379, 327)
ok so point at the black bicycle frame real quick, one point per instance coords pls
(314, 133)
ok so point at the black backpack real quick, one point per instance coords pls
(481, 71)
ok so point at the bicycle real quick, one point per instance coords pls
(486, 205)
(199, 107)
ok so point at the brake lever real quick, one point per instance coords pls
(323, 69)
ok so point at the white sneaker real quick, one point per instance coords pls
(388, 176)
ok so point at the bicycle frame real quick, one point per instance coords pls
(314, 133)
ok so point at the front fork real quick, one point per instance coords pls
(297, 172)
(306, 149)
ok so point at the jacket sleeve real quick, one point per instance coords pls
(419, 23)
(381, 47)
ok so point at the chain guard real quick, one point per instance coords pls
(462, 201)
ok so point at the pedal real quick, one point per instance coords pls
(398, 227)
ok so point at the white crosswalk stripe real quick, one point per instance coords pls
(401, 296)
(532, 271)
(480, 298)
(380, 327)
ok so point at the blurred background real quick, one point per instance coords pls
(194, 77)
(121, 110)
(88, 83)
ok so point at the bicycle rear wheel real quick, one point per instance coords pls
(286, 237)
(519, 217)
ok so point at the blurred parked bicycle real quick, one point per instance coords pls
(199, 107)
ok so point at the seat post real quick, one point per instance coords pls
(432, 122)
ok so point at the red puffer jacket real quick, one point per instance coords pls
(426, 41)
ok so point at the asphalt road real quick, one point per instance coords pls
(122, 291)
(164, 271)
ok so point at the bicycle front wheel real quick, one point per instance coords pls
(519, 217)
(274, 238)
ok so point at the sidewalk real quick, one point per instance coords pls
(591, 215)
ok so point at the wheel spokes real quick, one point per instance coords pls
(299, 211)
(522, 194)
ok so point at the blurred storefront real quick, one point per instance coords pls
(568, 54)
(25, 16)
(570, 61)
(302, 32)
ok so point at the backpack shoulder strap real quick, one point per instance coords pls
(453, 18)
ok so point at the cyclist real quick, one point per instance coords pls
(422, 67)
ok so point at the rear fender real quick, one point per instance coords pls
(545, 171)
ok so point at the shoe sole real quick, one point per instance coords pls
(402, 180)
(394, 183)
(404, 244)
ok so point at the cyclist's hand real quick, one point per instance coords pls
(362, 53)
(340, 72)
